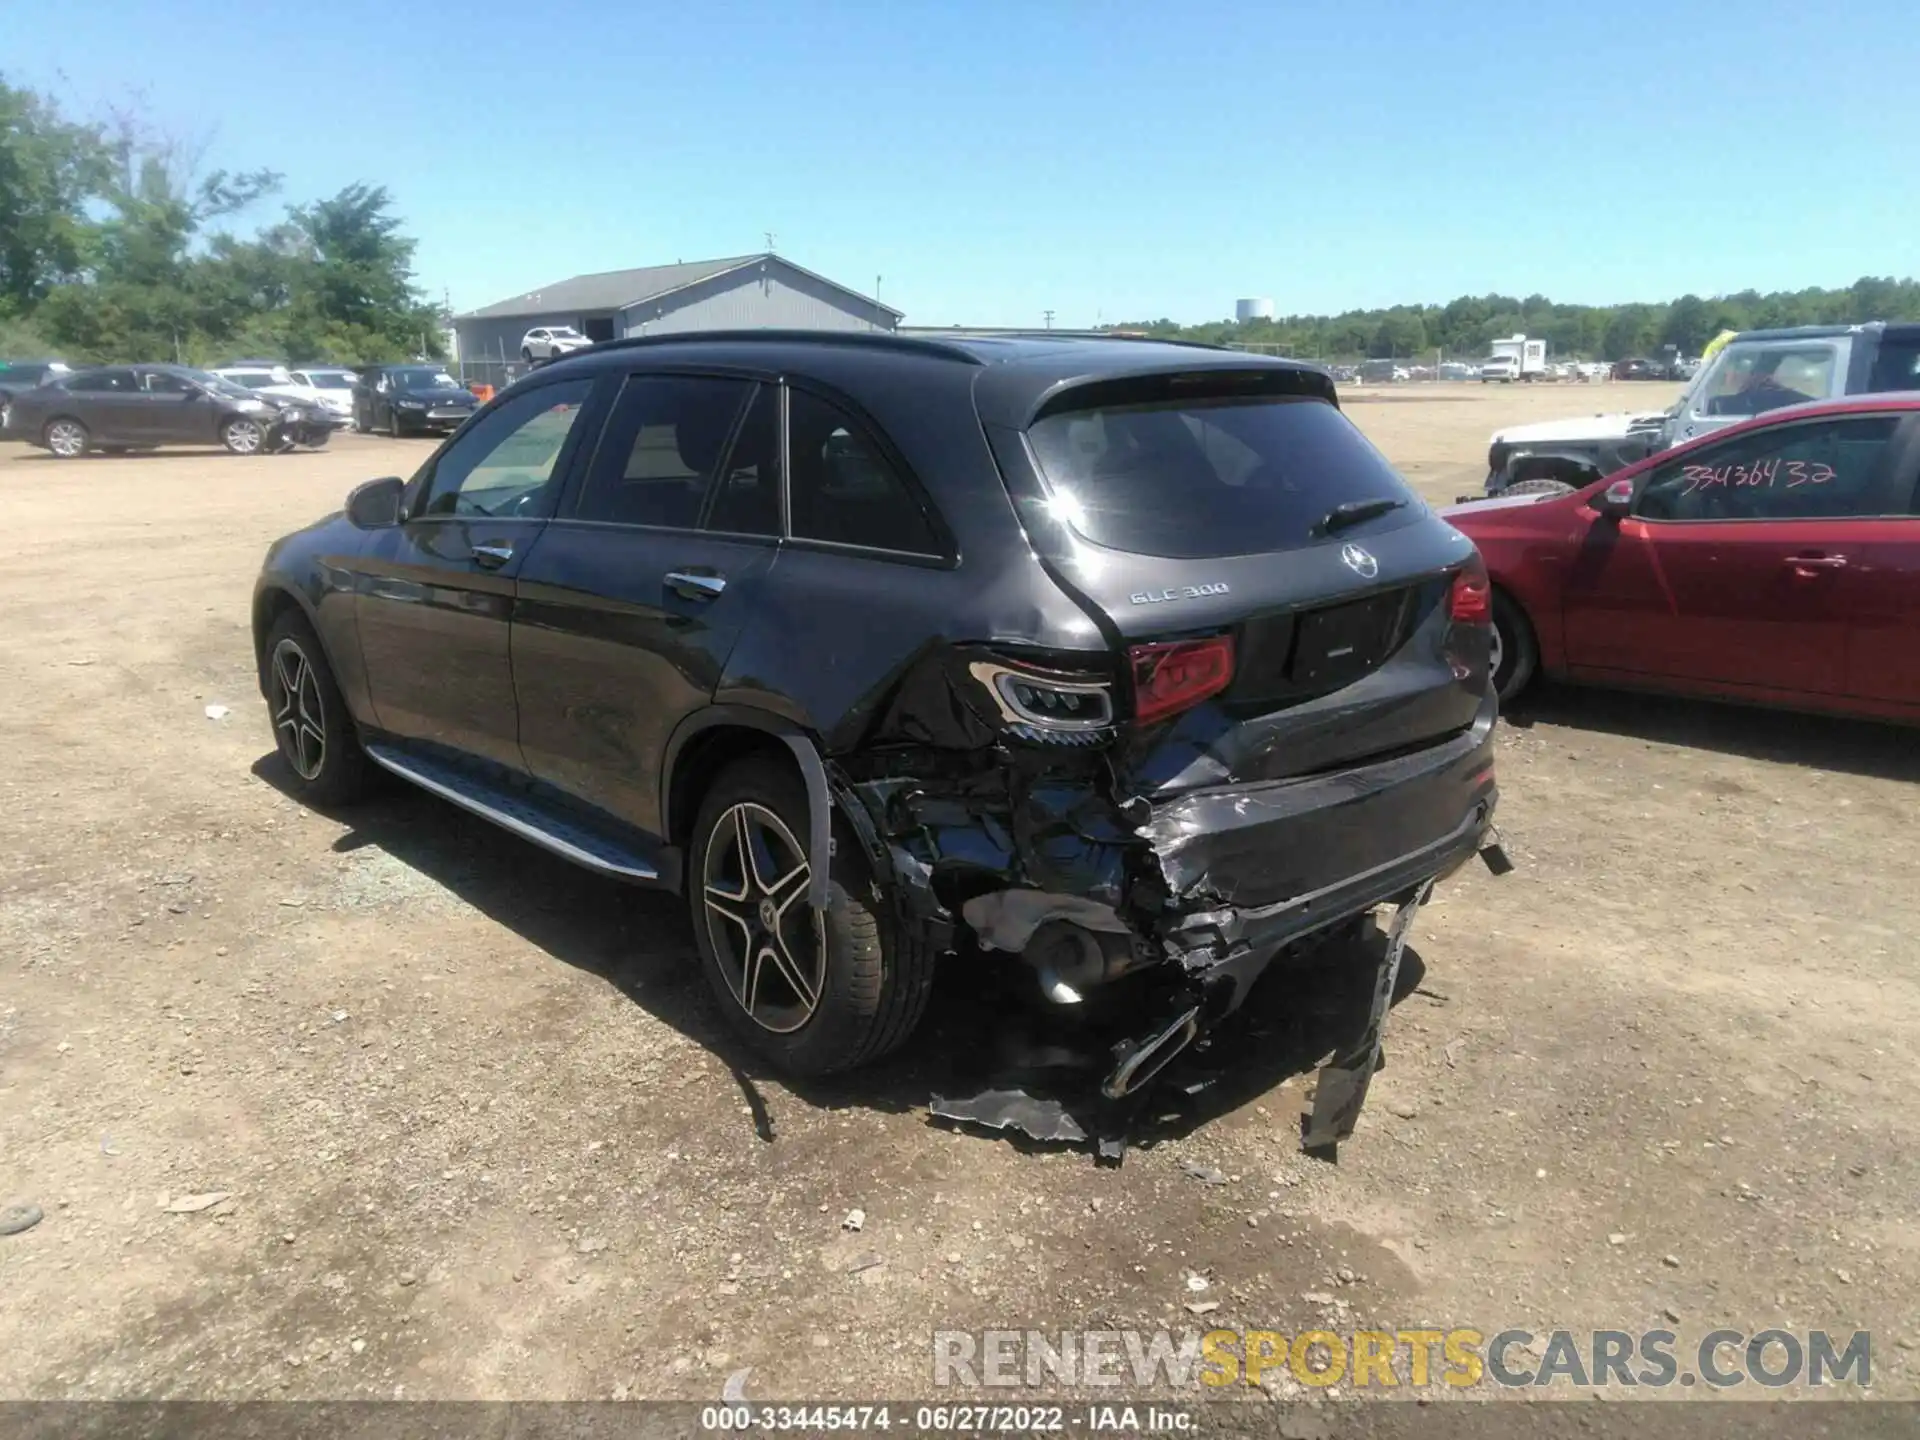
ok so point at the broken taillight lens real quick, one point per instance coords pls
(1471, 600)
(1176, 676)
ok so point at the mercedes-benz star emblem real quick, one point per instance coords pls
(1360, 561)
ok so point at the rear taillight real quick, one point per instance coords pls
(1471, 600)
(1176, 676)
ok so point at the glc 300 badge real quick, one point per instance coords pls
(1178, 592)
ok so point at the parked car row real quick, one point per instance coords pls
(1494, 368)
(249, 406)
(117, 408)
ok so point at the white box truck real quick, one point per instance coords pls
(1515, 359)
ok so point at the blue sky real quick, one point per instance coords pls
(1106, 161)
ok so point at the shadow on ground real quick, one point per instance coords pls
(1821, 742)
(984, 1028)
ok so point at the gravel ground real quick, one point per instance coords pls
(478, 1133)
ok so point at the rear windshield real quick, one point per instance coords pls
(1197, 477)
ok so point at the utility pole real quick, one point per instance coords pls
(1049, 315)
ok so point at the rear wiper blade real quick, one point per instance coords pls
(1354, 511)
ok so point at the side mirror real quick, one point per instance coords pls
(1615, 502)
(375, 505)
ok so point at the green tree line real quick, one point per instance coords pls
(1462, 329)
(114, 246)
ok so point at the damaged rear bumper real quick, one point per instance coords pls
(1251, 870)
(1192, 896)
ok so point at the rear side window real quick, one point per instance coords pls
(1752, 381)
(97, 381)
(1897, 367)
(661, 449)
(845, 490)
(1197, 476)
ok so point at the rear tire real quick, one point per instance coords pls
(862, 983)
(315, 734)
(1516, 654)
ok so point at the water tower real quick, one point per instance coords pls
(1257, 308)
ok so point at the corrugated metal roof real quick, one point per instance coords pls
(609, 290)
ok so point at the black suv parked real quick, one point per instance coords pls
(1132, 660)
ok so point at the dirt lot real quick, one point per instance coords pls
(482, 1136)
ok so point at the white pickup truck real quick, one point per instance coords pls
(1756, 371)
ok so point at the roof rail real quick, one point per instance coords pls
(995, 332)
(860, 339)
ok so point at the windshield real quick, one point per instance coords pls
(424, 377)
(252, 379)
(565, 332)
(1201, 476)
(329, 379)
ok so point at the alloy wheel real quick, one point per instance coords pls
(243, 437)
(66, 438)
(1496, 652)
(770, 943)
(299, 721)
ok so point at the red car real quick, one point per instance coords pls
(1776, 561)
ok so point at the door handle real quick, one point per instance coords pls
(1807, 564)
(492, 554)
(695, 587)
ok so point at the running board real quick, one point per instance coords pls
(583, 847)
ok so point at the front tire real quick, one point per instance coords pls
(243, 436)
(315, 734)
(67, 438)
(393, 424)
(1515, 653)
(811, 991)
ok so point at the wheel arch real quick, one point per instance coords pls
(1576, 467)
(1546, 637)
(270, 603)
(708, 741)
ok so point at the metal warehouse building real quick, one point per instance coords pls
(746, 292)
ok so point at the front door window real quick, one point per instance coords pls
(506, 465)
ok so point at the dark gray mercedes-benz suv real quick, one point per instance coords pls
(1131, 663)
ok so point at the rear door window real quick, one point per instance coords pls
(746, 496)
(1195, 477)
